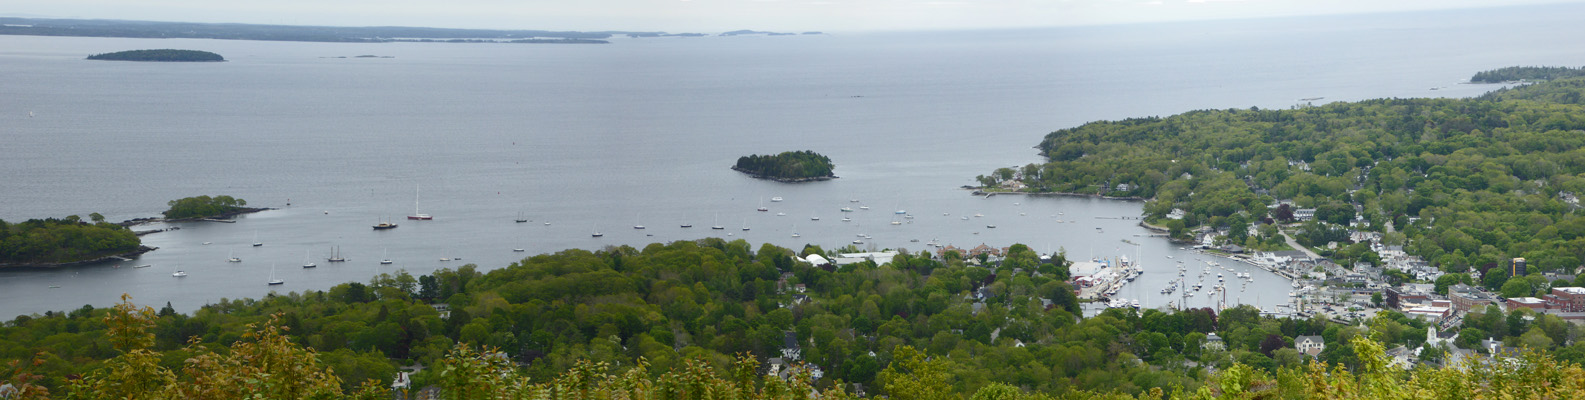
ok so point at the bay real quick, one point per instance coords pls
(642, 131)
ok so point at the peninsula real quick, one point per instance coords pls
(791, 166)
(160, 55)
(55, 242)
(1464, 184)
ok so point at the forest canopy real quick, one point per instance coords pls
(1462, 183)
(791, 165)
(1514, 74)
(168, 55)
(70, 239)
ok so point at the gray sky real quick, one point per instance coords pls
(715, 15)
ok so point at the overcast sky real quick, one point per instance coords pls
(715, 15)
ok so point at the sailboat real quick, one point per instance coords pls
(745, 224)
(233, 257)
(417, 215)
(637, 226)
(306, 262)
(383, 225)
(597, 231)
(256, 242)
(520, 218)
(335, 255)
(717, 225)
(179, 273)
(385, 257)
(273, 279)
(795, 230)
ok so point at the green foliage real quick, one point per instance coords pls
(1511, 74)
(63, 240)
(1465, 182)
(787, 165)
(158, 55)
(203, 206)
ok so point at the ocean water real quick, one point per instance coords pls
(642, 131)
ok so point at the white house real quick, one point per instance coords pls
(1309, 345)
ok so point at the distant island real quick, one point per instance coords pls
(201, 207)
(54, 242)
(791, 166)
(749, 32)
(159, 55)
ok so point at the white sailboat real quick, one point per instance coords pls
(385, 256)
(256, 242)
(597, 231)
(233, 257)
(637, 225)
(417, 215)
(795, 230)
(717, 225)
(745, 224)
(273, 279)
(306, 262)
(178, 272)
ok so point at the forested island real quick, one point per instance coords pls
(207, 207)
(790, 166)
(54, 242)
(162, 55)
(688, 318)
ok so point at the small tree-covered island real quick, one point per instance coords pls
(791, 166)
(162, 55)
(207, 207)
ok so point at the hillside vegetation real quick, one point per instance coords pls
(1463, 183)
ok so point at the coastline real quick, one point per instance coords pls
(757, 175)
(980, 191)
(127, 256)
(222, 217)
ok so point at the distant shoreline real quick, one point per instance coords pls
(980, 191)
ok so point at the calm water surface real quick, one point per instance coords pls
(641, 131)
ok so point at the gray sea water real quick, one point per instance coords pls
(642, 131)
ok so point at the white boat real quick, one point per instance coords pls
(306, 263)
(781, 214)
(717, 225)
(273, 279)
(385, 257)
(846, 219)
(847, 209)
(256, 242)
(857, 241)
(418, 215)
(596, 232)
(143, 266)
(637, 226)
(775, 199)
(864, 207)
(762, 205)
(206, 243)
(513, 250)
(179, 273)
(978, 215)
(965, 218)
(745, 224)
(233, 257)
(795, 230)
(814, 218)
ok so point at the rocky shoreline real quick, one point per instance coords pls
(120, 256)
(979, 191)
(784, 180)
(225, 217)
